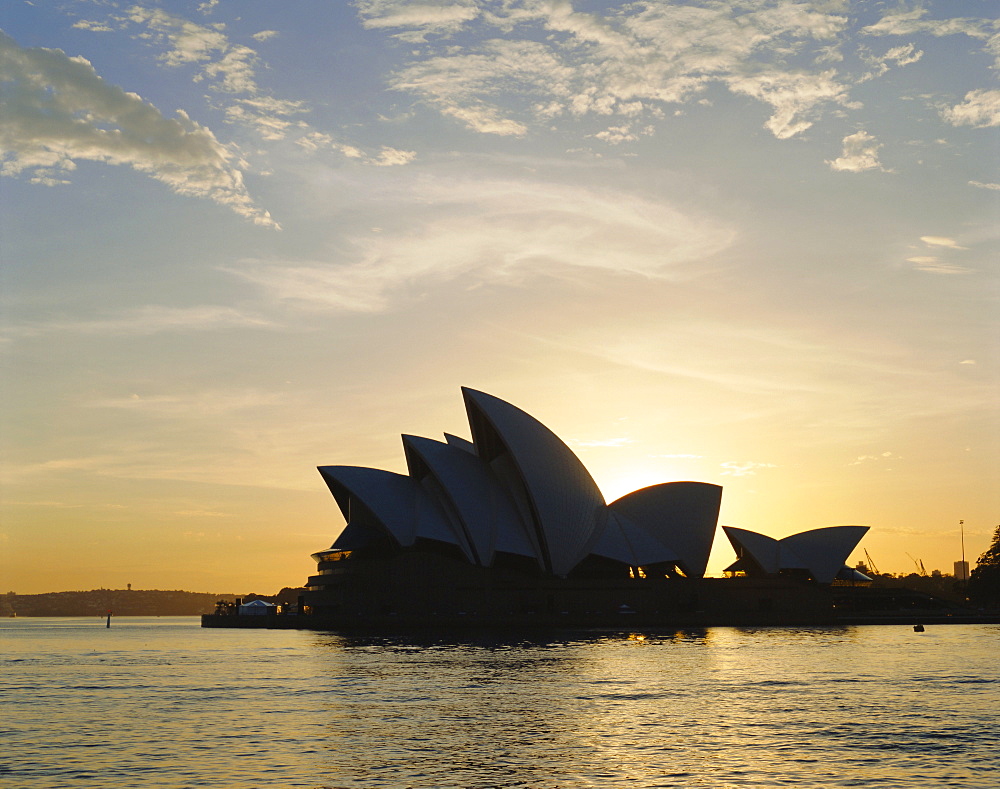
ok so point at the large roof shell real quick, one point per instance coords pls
(681, 515)
(567, 509)
(487, 516)
(624, 541)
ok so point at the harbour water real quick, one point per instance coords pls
(160, 702)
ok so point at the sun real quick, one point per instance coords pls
(616, 484)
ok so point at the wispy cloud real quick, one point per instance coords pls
(483, 231)
(151, 319)
(268, 115)
(932, 262)
(386, 156)
(935, 265)
(62, 112)
(600, 442)
(227, 67)
(884, 456)
(193, 406)
(903, 22)
(899, 56)
(93, 27)
(744, 469)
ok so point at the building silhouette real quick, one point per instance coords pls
(509, 526)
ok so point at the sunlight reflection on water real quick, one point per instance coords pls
(162, 703)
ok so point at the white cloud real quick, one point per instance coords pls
(903, 56)
(904, 23)
(617, 134)
(93, 27)
(900, 56)
(188, 41)
(386, 157)
(486, 120)
(982, 185)
(441, 18)
(267, 114)
(496, 231)
(967, 361)
(235, 70)
(561, 62)
(747, 469)
(795, 97)
(860, 154)
(265, 35)
(62, 111)
(941, 241)
(980, 109)
(457, 84)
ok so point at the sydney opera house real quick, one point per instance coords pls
(509, 527)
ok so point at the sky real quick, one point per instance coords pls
(748, 243)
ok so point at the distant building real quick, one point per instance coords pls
(962, 571)
(256, 608)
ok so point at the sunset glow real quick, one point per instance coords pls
(753, 244)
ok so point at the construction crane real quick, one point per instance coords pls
(871, 564)
(919, 564)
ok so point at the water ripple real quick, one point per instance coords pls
(166, 705)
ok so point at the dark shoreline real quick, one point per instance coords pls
(292, 622)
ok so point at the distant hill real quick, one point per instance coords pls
(126, 602)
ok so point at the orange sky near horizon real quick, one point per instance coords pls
(753, 244)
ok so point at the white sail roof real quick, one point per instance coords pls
(822, 552)
(485, 512)
(566, 506)
(681, 515)
(395, 502)
(516, 488)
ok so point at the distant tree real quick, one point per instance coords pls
(984, 580)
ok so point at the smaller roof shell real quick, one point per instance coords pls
(394, 502)
(822, 552)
